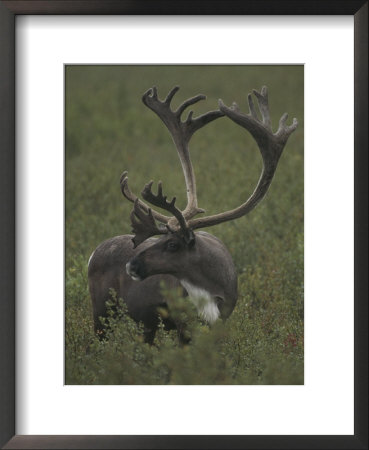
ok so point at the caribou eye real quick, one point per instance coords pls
(172, 246)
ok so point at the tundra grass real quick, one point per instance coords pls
(109, 130)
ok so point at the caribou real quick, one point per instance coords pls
(165, 248)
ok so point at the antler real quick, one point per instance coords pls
(181, 133)
(144, 225)
(270, 144)
(133, 198)
(160, 200)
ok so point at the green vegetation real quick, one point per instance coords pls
(109, 130)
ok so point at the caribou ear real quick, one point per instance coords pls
(189, 238)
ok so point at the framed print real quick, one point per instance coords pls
(71, 81)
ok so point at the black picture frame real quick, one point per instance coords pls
(8, 11)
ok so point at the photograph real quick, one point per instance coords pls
(184, 215)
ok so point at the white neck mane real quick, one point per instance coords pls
(206, 306)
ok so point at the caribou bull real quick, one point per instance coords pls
(135, 265)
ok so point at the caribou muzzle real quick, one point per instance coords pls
(136, 269)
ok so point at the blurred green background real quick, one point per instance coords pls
(109, 130)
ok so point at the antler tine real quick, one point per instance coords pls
(133, 198)
(189, 102)
(270, 145)
(143, 225)
(181, 133)
(284, 131)
(171, 95)
(261, 129)
(160, 200)
(204, 119)
(263, 105)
